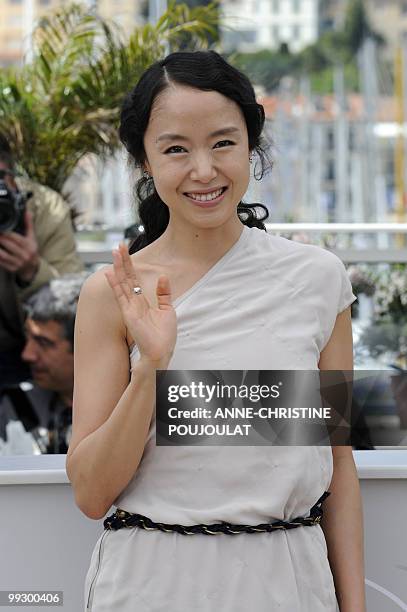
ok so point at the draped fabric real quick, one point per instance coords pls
(268, 303)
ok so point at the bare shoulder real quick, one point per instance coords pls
(96, 284)
(98, 298)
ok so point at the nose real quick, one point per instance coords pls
(29, 353)
(203, 169)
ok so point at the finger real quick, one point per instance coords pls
(7, 259)
(131, 276)
(12, 242)
(163, 291)
(128, 266)
(120, 274)
(29, 224)
(116, 288)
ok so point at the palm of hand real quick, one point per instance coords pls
(154, 329)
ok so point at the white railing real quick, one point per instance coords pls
(367, 254)
(335, 228)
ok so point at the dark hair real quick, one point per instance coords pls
(205, 70)
(57, 301)
(6, 156)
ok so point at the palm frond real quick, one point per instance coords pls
(65, 103)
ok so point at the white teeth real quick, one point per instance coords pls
(205, 197)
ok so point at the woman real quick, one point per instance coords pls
(207, 288)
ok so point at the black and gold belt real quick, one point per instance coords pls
(121, 519)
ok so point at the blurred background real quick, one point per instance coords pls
(330, 74)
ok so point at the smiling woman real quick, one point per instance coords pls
(215, 128)
(205, 288)
(205, 172)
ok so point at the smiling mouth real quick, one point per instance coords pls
(206, 197)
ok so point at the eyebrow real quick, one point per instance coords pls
(38, 337)
(226, 130)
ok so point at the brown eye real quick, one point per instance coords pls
(222, 142)
(171, 149)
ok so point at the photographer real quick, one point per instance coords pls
(36, 244)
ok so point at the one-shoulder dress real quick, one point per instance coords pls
(268, 304)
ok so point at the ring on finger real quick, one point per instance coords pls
(137, 290)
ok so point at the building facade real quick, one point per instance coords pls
(331, 164)
(252, 25)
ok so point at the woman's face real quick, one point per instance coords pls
(197, 151)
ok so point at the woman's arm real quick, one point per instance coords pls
(342, 521)
(111, 412)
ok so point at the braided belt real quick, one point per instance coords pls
(121, 519)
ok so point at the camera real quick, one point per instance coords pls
(12, 208)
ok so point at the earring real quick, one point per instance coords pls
(146, 174)
(250, 158)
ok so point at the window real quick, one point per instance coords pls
(296, 32)
(352, 138)
(296, 6)
(15, 1)
(403, 8)
(44, 2)
(330, 170)
(275, 34)
(330, 138)
(276, 6)
(233, 39)
(248, 36)
(230, 39)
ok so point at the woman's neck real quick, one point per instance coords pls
(196, 245)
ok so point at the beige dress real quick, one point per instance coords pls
(269, 303)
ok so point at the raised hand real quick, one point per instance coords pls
(19, 253)
(154, 330)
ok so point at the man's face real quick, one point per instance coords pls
(49, 355)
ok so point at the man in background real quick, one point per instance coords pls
(48, 352)
(39, 248)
